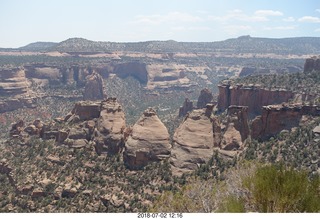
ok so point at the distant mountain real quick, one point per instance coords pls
(243, 44)
(38, 46)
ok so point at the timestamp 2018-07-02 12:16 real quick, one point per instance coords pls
(160, 215)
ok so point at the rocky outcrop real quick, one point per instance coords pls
(312, 64)
(238, 115)
(148, 141)
(185, 108)
(193, 142)
(109, 135)
(94, 89)
(204, 98)
(11, 104)
(276, 118)
(237, 128)
(84, 110)
(16, 128)
(58, 74)
(13, 82)
(251, 96)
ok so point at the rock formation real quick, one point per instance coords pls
(193, 142)
(148, 141)
(251, 96)
(13, 82)
(134, 69)
(204, 98)
(109, 136)
(185, 108)
(276, 118)
(94, 89)
(312, 64)
(84, 110)
(237, 128)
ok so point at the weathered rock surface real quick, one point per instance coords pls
(110, 127)
(204, 98)
(193, 142)
(94, 89)
(134, 69)
(84, 110)
(237, 128)
(276, 118)
(16, 103)
(186, 107)
(312, 64)
(13, 82)
(252, 96)
(148, 141)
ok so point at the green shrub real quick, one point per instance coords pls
(278, 189)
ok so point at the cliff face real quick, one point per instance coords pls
(14, 88)
(204, 98)
(276, 118)
(312, 64)
(13, 82)
(58, 75)
(251, 96)
(134, 69)
(94, 89)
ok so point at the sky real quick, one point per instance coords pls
(26, 21)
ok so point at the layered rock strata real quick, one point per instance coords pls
(13, 82)
(109, 135)
(193, 142)
(148, 141)
(253, 97)
(275, 118)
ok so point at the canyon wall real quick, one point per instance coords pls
(275, 118)
(13, 82)
(253, 97)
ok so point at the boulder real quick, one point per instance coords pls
(37, 193)
(16, 128)
(148, 141)
(110, 127)
(316, 130)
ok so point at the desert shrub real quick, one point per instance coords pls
(275, 188)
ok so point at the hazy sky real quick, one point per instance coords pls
(26, 21)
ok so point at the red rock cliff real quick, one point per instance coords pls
(276, 118)
(253, 97)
